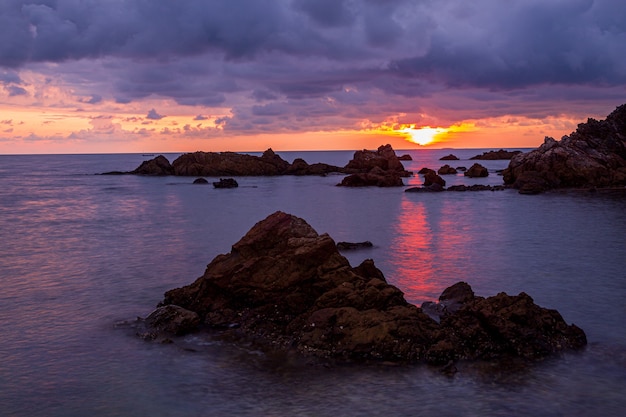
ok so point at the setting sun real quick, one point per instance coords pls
(424, 135)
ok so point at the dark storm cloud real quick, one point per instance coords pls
(316, 57)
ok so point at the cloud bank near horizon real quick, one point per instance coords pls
(316, 65)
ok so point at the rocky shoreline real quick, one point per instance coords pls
(286, 288)
(592, 157)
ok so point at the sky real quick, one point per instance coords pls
(92, 76)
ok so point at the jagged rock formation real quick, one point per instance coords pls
(381, 168)
(592, 156)
(285, 287)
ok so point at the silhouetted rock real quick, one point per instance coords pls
(431, 178)
(446, 170)
(426, 189)
(285, 287)
(494, 155)
(354, 245)
(200, 181)
(301, 167)
(476, 170)
(156, 166)
(449, 158)
(230, 163)
(592, 156)
(405, 157)
(215, 164)
(226, 183)
(380, 168)
(426, 170)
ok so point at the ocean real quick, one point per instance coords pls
(82, 255)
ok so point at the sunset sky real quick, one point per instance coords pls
(90, 76)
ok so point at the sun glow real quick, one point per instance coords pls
(424, 135)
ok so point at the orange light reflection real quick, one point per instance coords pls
(428, 250)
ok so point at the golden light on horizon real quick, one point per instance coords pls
(423, 135)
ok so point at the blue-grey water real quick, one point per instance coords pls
(80, 254)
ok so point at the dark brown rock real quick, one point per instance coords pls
(476, 170)
(200, 181)
(384, 158)
(301, 167)
(405, 157)
(226, 183)
(495, 155)
(216, 164)
(285, 287)
(431, 178)
(449, 158)
(592, 156)
(426, 170)
(156, 166)
(446, 170)
(354, 245)
(169, 320)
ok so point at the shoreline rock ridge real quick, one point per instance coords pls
(381, 168)
(284, 287)
(594, 156)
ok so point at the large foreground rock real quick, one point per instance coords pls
(592, 156)
(285, 287)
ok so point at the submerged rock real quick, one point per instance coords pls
(592, 156)
(285, 287)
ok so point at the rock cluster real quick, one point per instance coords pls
(284, 287)
(380, 168)
(592, 156)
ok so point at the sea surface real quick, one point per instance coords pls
(82, 255)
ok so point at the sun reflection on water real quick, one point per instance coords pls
(428, 251)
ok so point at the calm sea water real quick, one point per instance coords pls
(81, 253)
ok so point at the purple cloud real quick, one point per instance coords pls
(312, 63)
(153, 115)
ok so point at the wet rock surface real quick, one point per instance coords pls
(592, 156)
(284, 287)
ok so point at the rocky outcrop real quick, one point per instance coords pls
(592, 156)
(381, 168)
(431, 178)
(450, 157)
(405, 157)
(217, 164)
(476, 170)
(157, 166)
(285, 287)
(495, 155)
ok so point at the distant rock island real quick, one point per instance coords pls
(594, 156)
(286, 288)
(381, 167)
(495, 155)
